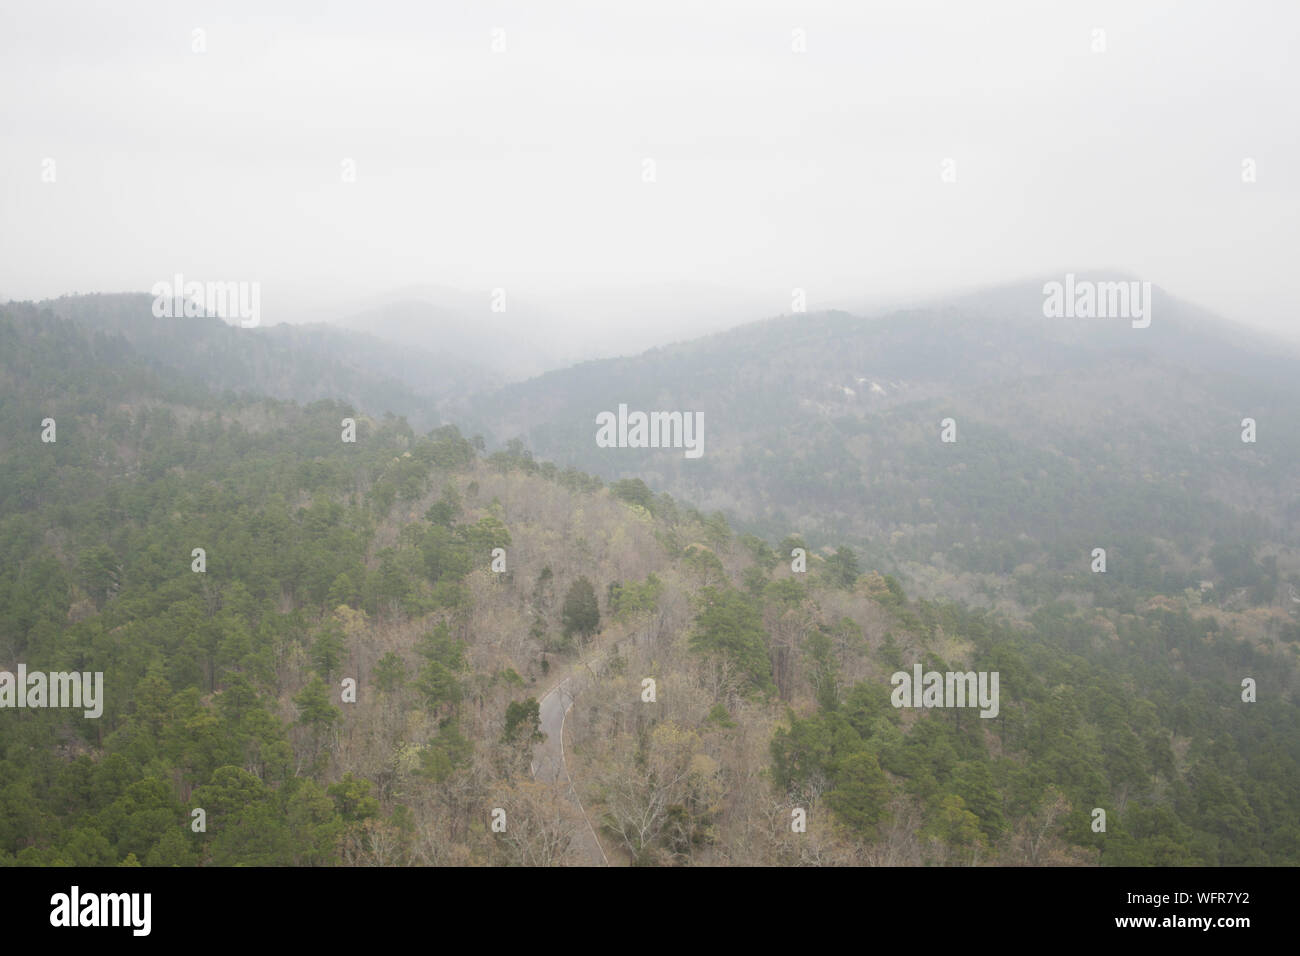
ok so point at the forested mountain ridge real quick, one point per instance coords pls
(1070, 434)
(303, 363)
(327, 560)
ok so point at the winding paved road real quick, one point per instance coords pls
(548, 765)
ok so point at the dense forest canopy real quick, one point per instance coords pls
(319, 651)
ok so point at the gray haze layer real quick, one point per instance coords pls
(634, 173)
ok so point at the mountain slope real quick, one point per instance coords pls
(1070, 434)
(348, 679)
(303, 363)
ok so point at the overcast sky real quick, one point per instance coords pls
(773, 169)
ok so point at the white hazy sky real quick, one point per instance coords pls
(524, 169)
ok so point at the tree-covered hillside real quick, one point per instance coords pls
(349, 672)
(1066, 435)
(302, 363)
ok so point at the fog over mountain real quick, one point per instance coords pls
(909, 150)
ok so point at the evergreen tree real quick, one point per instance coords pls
(580, 613)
